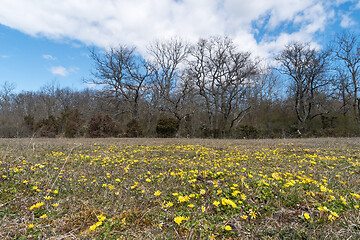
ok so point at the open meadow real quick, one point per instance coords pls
(179, 189)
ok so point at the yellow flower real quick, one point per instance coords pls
(306, 216)
(148, 180)
(244, 217)
(101, 218)
(169, 204)
(160, 226)
(252, 214)
(26, 181)
(183, 198)
(191, 205)
(203, 209)
(55, 204)
(48, 197)
(179, 219)
(56, 191)
(36, 205)
(334, 214)
(43, 216)
(93, 227)
(243, 196)
(357, 196)
(202, 191)
(323, 209)
(225, 201)
(331, 198)
(228, 228)
(216, 203)
(31, 225)
(235, 193)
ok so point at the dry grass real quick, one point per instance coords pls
(179, 189)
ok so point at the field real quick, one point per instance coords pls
(179, 189)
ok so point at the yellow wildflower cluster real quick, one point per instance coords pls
(37, 205)
(100, 221)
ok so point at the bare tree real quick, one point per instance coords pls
(342, 91)
(347, 50)
(6, 93)
(123, 74)
(222, 76)
(167, 62)
(307, 69)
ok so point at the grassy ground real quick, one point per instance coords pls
(179, 189)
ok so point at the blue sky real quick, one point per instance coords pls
(47, 41)
(32, 62)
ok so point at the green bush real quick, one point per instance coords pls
(167, 127)
(246, 131)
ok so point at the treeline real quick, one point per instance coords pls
(208, 89)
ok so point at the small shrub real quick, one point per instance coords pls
(72, 124)
(133, 129)
(246, 131)
(167, 127)
(102, 126)
(47, 127)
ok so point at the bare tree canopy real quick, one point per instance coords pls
(223, 77)
(307, 69)
(167, 62)
(347, 51)
(124, 75)
(205, 89)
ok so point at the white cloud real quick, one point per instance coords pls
(48, 57)
(358, 5)
(59, 70)
(4, 56)
(73, 69)
(347, 21)
(107, 23)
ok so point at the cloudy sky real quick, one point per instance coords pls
(46, 41)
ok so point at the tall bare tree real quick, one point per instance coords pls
(222, 76)
(167, 61)
(347, 50)
(307, 70)
(124, 75)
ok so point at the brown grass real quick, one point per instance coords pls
(310, 173)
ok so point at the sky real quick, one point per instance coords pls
(47, 42)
